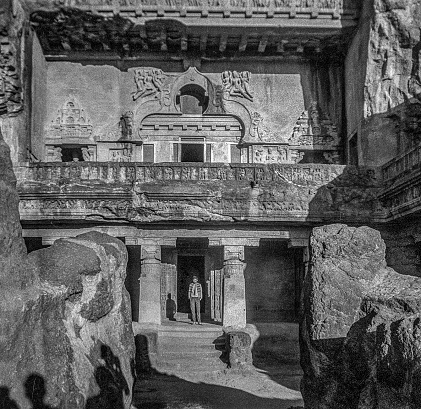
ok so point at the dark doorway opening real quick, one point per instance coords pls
(71, 154)
(192, 152)
(187, 267)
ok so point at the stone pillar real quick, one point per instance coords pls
(234, 314)
(150, 284)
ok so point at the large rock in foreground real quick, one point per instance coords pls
(67, 339)
(361, 331)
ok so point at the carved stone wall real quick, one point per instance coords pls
(178, 192)
(143, 106)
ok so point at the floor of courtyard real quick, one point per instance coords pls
(255, 389)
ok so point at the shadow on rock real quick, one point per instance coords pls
(35, 391)
(5, 401)
(111, 382)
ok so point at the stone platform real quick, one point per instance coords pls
(179, 347)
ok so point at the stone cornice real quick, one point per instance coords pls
(136, 27)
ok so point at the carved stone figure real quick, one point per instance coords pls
(127, 125)
(149, 82)
(53, 154)
(10, 86)
(88, 154)
(332, 157)
(237, 84)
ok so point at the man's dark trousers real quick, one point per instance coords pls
(195, 308)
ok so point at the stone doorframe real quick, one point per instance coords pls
(233, 241)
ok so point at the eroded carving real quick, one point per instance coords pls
(127, 125)
(88, 153)
(123, 154)
(149, 82)
(237, 84)
(276, 154)
(315, 130)
(71, 122)
(10, 85)
(53, 154)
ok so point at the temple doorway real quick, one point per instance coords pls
(187, 267)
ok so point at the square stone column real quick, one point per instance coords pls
(234, 313)
(150, 284)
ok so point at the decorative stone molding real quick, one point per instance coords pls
(282, 154)
(208, 8)
(141, 173)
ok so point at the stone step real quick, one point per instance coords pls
(190, 347)
(203, 365)
(209, 340)
(181, 316)
(188, 355)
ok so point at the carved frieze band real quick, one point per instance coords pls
(205, 6)
(128, 174)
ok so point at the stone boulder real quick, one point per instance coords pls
(360, 335)
(67, 338)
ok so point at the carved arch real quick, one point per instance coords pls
(164, 99)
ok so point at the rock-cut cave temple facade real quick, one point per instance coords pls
(211, 136)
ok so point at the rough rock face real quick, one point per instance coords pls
(393, 72)
(361, 331)
(66, 336)
(71, 326)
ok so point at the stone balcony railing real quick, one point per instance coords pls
(402, 164)
(226, 8)
(206, 192)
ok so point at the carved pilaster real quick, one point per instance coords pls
(150, 284)
(234, 314)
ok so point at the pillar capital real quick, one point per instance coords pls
(150, 252)
(233, 253)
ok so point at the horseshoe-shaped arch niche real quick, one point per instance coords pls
(189, 102)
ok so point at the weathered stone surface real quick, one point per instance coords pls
(238, 344)
(66, 322)
(70, 328)
(207, 193)
(360, 335)
(11, 243)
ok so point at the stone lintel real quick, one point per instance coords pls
(135, 237)
(235, 241)
(298, 242)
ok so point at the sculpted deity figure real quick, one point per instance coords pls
(237, 84)
(127, 125)
(149, 81)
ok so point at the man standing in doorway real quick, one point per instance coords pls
(195, 295)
